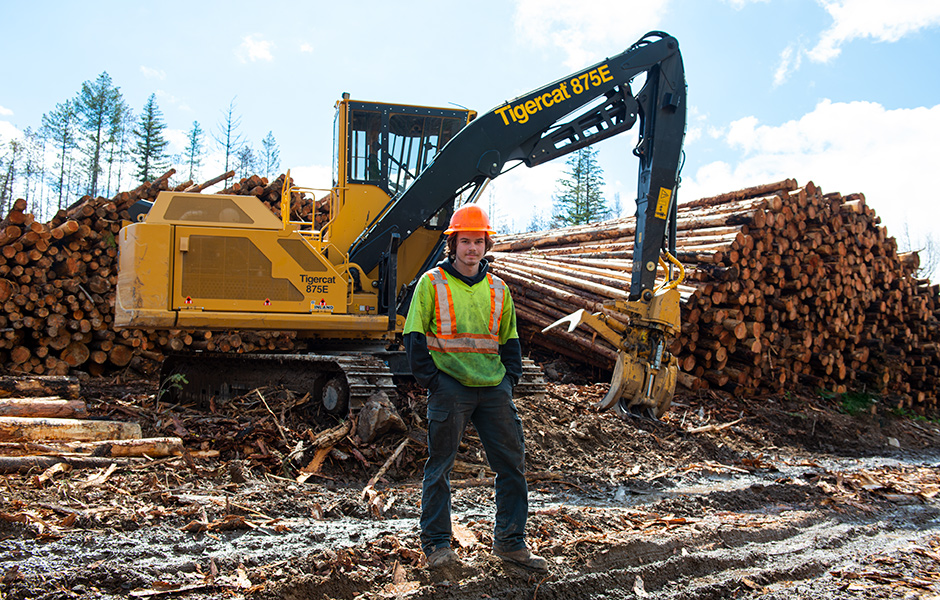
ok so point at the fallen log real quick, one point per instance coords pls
(35, 386)
(52, 406)
(36, 429)
(25, 464)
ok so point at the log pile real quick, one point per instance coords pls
(786, 287)
(53, 432)
(57, 285)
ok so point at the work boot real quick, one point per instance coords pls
(524, 558)
(443, 557)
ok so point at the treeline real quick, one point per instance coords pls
(96, 144)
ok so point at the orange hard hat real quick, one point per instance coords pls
(469, 217)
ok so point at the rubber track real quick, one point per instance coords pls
(221, 375)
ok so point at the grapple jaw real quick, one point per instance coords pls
(645, 374)
(636, 389)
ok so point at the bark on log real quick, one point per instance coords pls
(36, 429)
(37, 386)
(25, 464)
(42, 407)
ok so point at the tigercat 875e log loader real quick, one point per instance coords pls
(221, 262)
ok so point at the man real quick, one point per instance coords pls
(461, 340)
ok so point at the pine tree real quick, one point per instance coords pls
(125, 150)
(537, 222)
(150, 154)
(227, 137)
(116, 136)
(192, 155)
(581, 199)
(59, 127)
(9, 162)
(270, 155)
(245, 162)
(98, 105)
(31, 165)
(616, 206)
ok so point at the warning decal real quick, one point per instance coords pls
(662, 205)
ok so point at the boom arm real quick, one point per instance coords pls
(529, 129)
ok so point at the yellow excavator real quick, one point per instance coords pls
(221, 262)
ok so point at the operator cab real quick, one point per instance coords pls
(388, 145)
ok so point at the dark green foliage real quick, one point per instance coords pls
(852, 403)
(150, 155)
(581, 199)
(99, 110)
(60, 128)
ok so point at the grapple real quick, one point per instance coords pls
(644, 378)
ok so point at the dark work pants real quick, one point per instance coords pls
(451, 406)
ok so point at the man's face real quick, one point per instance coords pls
(471, 246)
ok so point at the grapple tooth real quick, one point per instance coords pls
(616, 383)
(629, 384)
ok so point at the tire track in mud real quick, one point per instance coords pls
(716, 565)
(774, 533)
(755, 536)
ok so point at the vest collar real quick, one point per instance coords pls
(470, 281)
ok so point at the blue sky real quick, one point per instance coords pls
(841, 92)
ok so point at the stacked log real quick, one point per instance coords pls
(786, 287)
(57, 285)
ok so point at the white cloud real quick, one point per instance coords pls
(715, 132)
(585, 31)
(845, 147)
(8, 131)
(168, 98)
(521, 193)
(739, 4)
(152, 73)
(876, 19)
(5, 112)
(177, 139)
(305, 47)
(253, 49)
(790, 60)
(312, 176)
(697, 123)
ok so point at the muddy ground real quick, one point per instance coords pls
(777, 497)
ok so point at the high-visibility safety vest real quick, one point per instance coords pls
(464, 325)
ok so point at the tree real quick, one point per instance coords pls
(98, 107)
(227, 137)
(192, 155)
(537, 222)
(32, 166)
(270, 155)
(59, 127)
(8, 174)
(580, 199)
(117, 136)
(927, 247)
(124, 149)
(150, 154)
(616, 206)
(246, 163)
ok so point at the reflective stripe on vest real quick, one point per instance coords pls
(446, 338)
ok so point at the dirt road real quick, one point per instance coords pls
(764, 498)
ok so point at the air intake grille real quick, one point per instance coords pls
(231, 268)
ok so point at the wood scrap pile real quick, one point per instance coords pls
(57, 285)
(786, 286)
(45, 425)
